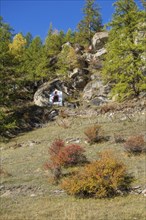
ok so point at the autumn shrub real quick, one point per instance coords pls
(63, 113)
(135, 144)
(94, 133)
(57, 159)
(64, 123)
(105, 177)
(63, 156)
(75, 155)
(108, 107)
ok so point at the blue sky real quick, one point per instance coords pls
(35, 16)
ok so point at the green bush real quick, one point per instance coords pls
(105, 177)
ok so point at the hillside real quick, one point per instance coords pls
(27, 191)
(72, 119)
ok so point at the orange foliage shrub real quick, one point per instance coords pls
(102, 178)
(94, 133)
(135, 144)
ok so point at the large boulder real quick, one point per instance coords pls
(78, 48)
(68, 44)
(99, 53)
(42, 95)
(95, 92)
(80, 77)
(99, 40)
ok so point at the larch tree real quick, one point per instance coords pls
(7, 68)
(29, 39)
(18, 45)
(32, 61)
(91, 22)
(52, 47)
(125, 59)
(69, 36)
(67, 61)
(7, 72)
(53, 42)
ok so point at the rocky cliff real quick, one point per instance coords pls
(84, 81)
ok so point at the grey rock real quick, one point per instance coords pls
(99, 40)
(42, 95)
(100, 53)
(144, 192)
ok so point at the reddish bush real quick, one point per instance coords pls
(75, 155)
(56, 152)
(135, 144)
(61, 156)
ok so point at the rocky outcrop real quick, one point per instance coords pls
(81, 78)
(42, 95)
(99, 53)
(78, 48)
(96, 92)
(99, 40)
(68, 44)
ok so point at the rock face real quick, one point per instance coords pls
(80, 78)
(99, 40)
(100, 52)
(95, 92)
(42, 95)
(85, 77)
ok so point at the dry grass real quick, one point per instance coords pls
(27, 193)
(67, 208)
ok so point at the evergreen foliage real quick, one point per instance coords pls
(25, 62)
(67, 60)
(7, 73)
(91, 22)
(53, 42)
(125, 58)
(6, 62)
(32, 60)
(69, 36)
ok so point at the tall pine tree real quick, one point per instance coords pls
(7, 69)
(7, 72)
(32, 61)
(124, 62)
(91, 22)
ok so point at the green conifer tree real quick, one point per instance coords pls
(69, 36)
(124, 61)
(91, 22)
(53, 42)
(7, 72)
(6, 63)
(32, 60)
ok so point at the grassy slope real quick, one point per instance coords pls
(28, 193)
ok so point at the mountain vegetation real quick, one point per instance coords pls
(26, 62)
(125, 60)
(84, 159)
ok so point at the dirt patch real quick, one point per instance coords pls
(24, 190)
